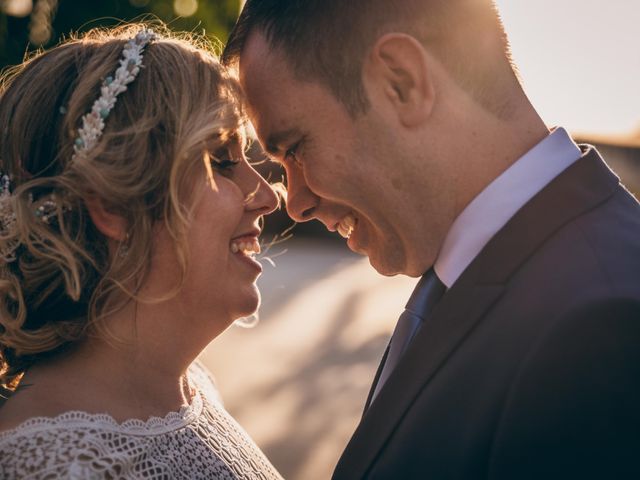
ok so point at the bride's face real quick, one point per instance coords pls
(229, 198)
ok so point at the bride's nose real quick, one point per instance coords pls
(263, 199)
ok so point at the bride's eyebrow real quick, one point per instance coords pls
(276, 140)
(236, 138)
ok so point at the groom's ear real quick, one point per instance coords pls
(397, 71)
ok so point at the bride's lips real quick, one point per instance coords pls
(245, 247)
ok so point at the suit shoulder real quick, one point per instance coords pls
(572, 407)
(595, 255)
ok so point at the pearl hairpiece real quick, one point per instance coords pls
(93, 122)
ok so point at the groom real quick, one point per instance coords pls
(403, 126)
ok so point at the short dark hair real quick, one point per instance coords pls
(325, 41)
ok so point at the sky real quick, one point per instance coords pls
(579, 60)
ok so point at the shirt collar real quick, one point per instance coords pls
(492, 208)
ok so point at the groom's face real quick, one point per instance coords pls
(339, 170)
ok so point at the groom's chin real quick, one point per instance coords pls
(385, 269)
(385, 259)
(392, 261)
(387, 263)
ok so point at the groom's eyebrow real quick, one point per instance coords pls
(277, 141)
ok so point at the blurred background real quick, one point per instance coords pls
(298, 380)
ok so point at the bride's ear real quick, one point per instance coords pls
(110, 224)
(399, 72)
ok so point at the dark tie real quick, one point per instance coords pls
(427, 293)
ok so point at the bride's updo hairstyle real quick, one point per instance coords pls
(58, 279)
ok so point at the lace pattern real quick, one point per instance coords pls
(201, 441)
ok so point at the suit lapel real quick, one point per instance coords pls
(376, 378)
(581, 187)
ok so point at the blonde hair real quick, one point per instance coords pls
(64, 281)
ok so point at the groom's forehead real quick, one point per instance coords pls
(272, 89)
(264, 70)
(273, 109)
(258, 53)
(283, 107)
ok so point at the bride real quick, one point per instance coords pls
(129, 217)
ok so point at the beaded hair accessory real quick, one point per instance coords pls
(93, 122)
(88, 136)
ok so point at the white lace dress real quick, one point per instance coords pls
(201, 441)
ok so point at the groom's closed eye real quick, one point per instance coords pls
(292, 154)
(278, 142)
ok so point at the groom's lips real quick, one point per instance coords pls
(356, 239)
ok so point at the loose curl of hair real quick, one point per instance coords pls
(64, 281)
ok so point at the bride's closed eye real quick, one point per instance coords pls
(222, 161)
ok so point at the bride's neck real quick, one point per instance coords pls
(137, 374)
(147, 357)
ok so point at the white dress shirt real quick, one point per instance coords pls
(492, 208)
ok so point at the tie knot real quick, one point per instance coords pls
(426, 294)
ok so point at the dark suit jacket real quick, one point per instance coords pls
(529, 367)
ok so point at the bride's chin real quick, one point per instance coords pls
(250, 303)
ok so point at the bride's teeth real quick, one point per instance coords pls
(246, 248)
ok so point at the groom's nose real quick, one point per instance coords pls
(301, 201)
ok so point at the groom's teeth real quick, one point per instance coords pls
(246, 247)
(346, 226)
(349, 221)
(344, 231)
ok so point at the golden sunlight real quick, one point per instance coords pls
(579, 61)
